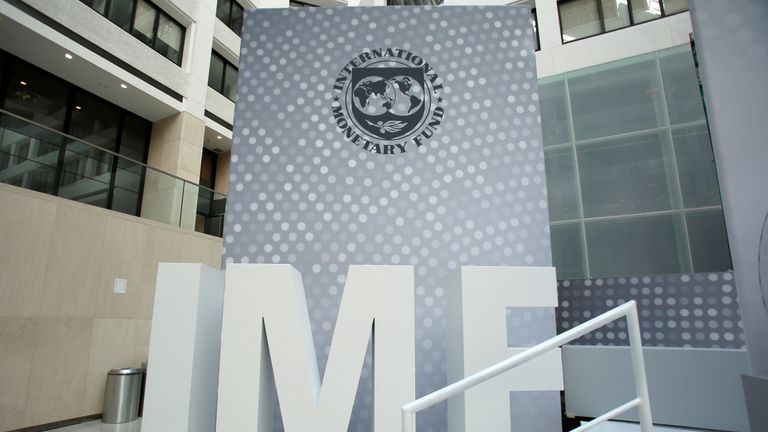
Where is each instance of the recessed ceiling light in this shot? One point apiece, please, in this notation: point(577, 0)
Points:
point(123, 85)
point(68, 56)
point(23, 82)
point(218, 136)
point(78, 107)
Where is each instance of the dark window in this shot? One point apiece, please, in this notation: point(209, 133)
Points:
point(36, 95)
point(535, 25)
point(208, 169)
point(146, 22)
point(230, 13)
point(222, 77)
point(583, 18)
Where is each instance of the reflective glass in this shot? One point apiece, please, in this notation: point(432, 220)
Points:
point(94, 121)
point(86, 174)
point(135, 136)
point(675, 6)
point(625, 175)
point(27, 159)
point(636, 246)
point(230, 83)
point(97, 5)
point(120, 12)
point(125, 195)
point(561, 184)
point(567, 253)
point(696, 167)
point(223, 8)
point(579, 19)
point(615, 14)
point(556, 127)
point(36, 95)
point(709, 242)
point(216, 73)
point(681, 85)
point(645, 10)
point(144, 22)
point(616, 98)
point(169, 36)
point(236, 21)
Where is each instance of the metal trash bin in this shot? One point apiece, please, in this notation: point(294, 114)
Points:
point(121, 398)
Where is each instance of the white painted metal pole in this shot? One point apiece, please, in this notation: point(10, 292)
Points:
point(638, 368)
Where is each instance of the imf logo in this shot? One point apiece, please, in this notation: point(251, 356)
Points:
point(388, 101)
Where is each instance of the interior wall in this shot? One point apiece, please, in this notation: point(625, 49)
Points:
point(61, 326)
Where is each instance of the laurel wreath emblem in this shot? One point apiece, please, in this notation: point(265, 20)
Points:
point(390, 126)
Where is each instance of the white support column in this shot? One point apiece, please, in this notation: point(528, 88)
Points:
point(549, 24)
point(183, 366)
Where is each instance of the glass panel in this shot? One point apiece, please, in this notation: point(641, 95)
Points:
point(120, 12)
point(567, 253)
point(207, 169)
point(625, 175)
point(616, 98)
point(144, 22)
point(230, 83)
point(236, 23)
point(125, 196)
point(636, 246)
point(86, 174)
point(97, 5)
point(168, 42)
point(681, 85)
point(709, 242)
point(27, 157)
point(675, 6)
point(135, 138)
point(561, 184)
point(36, 95)
point(645, 10)
point(535, 26)
point(94, 121)
point(696, 167)
point(615, 14)
point(162, 197)
point(222, 10)
point(555, 124)
point(579, 18)
point(216, 73)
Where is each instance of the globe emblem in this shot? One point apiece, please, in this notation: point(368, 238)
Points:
point(400, 95)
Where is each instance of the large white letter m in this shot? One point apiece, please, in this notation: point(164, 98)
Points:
point(266, 333)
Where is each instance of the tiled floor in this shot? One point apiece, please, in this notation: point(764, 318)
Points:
point(98, 426)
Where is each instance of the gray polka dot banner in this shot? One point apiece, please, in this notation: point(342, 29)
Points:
point(691, 310)
point(397, 135)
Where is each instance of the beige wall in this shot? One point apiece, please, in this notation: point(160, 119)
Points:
point(61, 326)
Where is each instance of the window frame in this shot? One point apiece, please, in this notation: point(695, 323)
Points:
point(228, 22)
point(152, 44)
point(220, 88)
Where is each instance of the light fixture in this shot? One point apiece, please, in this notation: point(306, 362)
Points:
point(68, 56)
point(23, 82)
point(123, 85)
point(218, 136)
point(78, 107)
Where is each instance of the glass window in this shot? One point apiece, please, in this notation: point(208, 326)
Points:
point(169, 37)
point(561, 184)
point(216, 73)
point(696, 167)
point(134, 138)
point(645, 10)
point(208, 169)
point(579, 19)
point(223, 8)
point(125, 195)
point(554, 112)
point(97, 5)
point(681, 85)
point(615, 14)
point(616, 98)
point(236, 20)
point(567, 253)
point(636, 246)
point(709, 242)
point(625, 175)
point(36, 95)
point(230, 83)
point(144, 22)
point(120, 12)
point(675, 6)
point(94, 121)
point(535, 26)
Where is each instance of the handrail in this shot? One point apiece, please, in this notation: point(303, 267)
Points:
point(101, 149)
point(642, 401)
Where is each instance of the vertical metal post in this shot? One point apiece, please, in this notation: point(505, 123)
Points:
point(638, 368)
point(409, 421)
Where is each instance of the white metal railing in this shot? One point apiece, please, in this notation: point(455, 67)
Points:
point(642, 402)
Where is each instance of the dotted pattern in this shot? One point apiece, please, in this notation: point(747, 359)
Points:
point(692, 310)
point(473, 195)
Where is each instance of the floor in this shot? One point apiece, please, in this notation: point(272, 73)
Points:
point(98, 426)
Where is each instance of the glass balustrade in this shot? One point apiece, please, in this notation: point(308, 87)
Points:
point(35, 157)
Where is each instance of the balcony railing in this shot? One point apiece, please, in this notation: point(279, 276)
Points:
point(39, 158)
